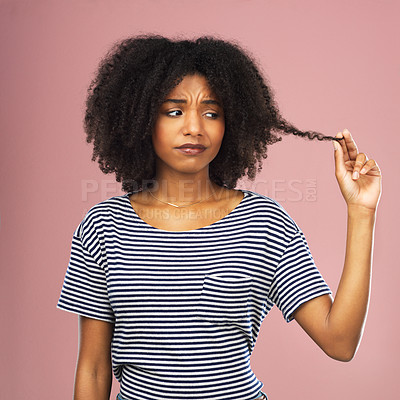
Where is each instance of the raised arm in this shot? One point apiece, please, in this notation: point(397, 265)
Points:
point(93, 376)
point(336, 325)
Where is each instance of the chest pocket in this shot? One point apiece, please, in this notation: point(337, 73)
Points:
point(225, 298)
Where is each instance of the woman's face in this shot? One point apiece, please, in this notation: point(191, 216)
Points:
point(191, 113)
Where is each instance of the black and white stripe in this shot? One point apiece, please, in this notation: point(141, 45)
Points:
point(188, 306)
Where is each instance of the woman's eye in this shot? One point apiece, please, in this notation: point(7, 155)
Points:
point(212, 115)
point(171, 113)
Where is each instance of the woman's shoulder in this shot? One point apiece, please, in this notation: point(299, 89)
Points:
point(100, 212)
point(264, 205)
point(259, 199)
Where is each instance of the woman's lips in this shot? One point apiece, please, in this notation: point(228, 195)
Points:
point(190, 150)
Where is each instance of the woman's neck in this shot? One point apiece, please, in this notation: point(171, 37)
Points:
point(185, 190)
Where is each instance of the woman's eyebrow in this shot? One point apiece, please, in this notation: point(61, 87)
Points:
point(179, 101)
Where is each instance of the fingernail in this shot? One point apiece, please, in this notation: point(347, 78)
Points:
point(355, 175)
point(335, 145)
point(363, 171)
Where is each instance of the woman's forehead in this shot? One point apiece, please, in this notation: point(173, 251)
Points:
point(193, 84)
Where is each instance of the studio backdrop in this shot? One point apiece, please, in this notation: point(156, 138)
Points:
point(332, 65)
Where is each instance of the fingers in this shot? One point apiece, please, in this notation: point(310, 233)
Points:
point(347, 154)
point(370, 168)
point(343, 146)
point(351, 146)
point(361, 159)
point(340, 168)
point(348, 145)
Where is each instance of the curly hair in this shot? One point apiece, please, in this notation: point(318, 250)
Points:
point(138, 72)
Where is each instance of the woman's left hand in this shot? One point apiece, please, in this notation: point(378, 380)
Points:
point(359, 179)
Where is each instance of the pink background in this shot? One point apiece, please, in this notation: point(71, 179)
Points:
point(332, 65)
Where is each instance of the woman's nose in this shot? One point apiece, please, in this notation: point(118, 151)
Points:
point(193, 123)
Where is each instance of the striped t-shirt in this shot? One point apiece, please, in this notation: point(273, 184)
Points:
point(188, 305)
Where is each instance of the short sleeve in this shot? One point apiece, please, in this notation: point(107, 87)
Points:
point(296, 279)
point(84, 290)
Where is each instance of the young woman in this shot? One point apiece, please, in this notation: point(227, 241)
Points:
point(173, 279)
